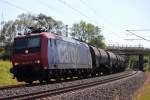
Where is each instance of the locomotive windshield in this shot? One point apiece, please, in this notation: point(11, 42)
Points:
point(32, 43)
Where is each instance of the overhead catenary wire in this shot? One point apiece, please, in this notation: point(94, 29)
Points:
point(102, 17)
point(48, 6)
point(132, 39)
point(141, 30)
point(91, 9)
point(65, 3)
point(21, 8)
point(141, 38)
point(76, 10)
point(138, 35)
point(13, 5)
point(85, 4)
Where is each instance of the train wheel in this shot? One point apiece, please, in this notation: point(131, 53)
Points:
point(80, 76)
point(29, 82)
point(41, 81)
point(48, 81)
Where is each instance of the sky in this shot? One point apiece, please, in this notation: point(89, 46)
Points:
point(114, 17)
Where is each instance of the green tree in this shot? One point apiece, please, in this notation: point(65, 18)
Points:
point(7, 32)
point(98, 41)
point(78, 31)
point(89, 33)
point(12, 28)
point(48, 22)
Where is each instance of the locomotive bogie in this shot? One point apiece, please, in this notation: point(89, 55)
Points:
point(28, 73)
point(64, 73)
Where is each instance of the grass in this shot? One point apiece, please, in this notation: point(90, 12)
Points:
point(144, 92)
point(5, 75)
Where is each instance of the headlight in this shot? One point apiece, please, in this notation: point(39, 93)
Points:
point(37, 61)
point(16, 63)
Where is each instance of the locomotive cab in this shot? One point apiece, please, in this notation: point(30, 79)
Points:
point(26, 44)
point(26, 58)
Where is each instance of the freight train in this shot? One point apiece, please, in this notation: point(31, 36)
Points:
point(42, 56)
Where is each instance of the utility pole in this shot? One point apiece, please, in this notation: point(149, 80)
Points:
point(2, 21)
point(66, 30)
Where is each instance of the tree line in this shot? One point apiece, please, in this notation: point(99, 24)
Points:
point(82, 31)
point(85, 32)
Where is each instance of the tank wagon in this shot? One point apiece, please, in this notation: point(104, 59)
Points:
point(43, 56)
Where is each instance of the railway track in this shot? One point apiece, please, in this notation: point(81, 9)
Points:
point(33, 84)
point(62, 87)
point(17, 86)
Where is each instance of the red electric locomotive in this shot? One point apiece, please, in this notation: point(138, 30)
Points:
point(44, 55)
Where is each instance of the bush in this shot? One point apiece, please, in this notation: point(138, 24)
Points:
point(1, 50)
point(5, 55)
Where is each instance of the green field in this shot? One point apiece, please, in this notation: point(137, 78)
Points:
point(5, 75)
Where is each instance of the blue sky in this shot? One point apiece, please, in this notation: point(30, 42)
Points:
point(112, 16)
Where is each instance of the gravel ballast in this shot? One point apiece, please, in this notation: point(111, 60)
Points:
point(39, 88)
point(123, 89)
